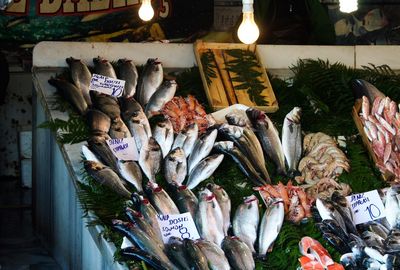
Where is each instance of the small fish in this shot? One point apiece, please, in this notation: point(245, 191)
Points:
point(196, 258)
point(131, 172)
point(164, 93)
point(224, 202)
point(291, 138)
point(214, 254)
point(175, 166)
point(187, 138)
point(150, 158)
point(106, 176)
point(150, 79)
point(160, 199)
point(203, 170)
point(98, 122)
point(118, 129)
point(184, 198)
point(177, 252)
point(201, 149)
point(98, 145)
point(103, 67)
point(139, 254)
point(127, 71)
point(81, 76)
point(238, 253)
point(163, 133)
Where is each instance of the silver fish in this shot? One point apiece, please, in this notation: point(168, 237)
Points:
point(106, 103)
point(215, 255)
point(392, 207)
point(81, 76)
point(175, 166)
point(270, 226)
point(201, 149)
point(327, 211)
point(177, 252)
point(150, 79)
point(103, 67)
point(186, 139)
point(184, 199)
point(150, 158)
point(268, 135)
point(89, 155)
point(163, 133)
point(237, 119)
point(98, 122)
point(165, 92)
point(245, 221)
point(118, 129)
point(196, 258)
point(160, 199)
point(291, 138)
point(209, 219)
point(238, 253)
point(127, 71)
point(98, 145)
point(106, 176)
point(130, 171)
point(203, 170)
point(224, 202)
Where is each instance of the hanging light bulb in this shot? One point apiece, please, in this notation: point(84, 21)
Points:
point(146, 11)
point(348, 6)
point(248, 31)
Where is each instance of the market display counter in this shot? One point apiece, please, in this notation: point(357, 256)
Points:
point(59, 218)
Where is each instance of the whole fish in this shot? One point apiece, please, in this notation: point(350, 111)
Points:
point(327, 211)
point(203, 170)
point(228, 147)
point(98, 145)
point(184, 199)
point(175, 166)
point(143, 255)
point(163, 132)
point(269, 137)
point(363, 88)
point(106, 103)
point(106, 176)
point(392, 207)
point(103, 67)
point(130, 171)
point(187, 138)
point(224, 202)
point(341, 204)
point(209, 219)
point(215, 255)
point(71, 93)
point(177, 252)
point(238, 253)
point(245, 221)
point(98, 122)
point(202, 147)
point(127, 71)
point(150, 158)
point(164, 93)
point(89, 155)
point(270, 226)
point(150, 79)
point(81, 76)
point(291, 138)
point(160, 199)
point(118, 129)
point(196, 258)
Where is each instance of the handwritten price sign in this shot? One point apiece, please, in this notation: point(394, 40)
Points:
point(366, 206)
point(124, 149)
point(107, 85)
point(181, 226)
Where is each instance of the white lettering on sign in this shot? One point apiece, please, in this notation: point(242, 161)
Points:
point(366, 206)
point(181, 225)
point(124, 149)
point(107, 85)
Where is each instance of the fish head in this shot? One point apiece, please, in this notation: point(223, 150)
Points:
point(71, 60)
point(130, 212)
point(295, 115)
point(206, 195)
point(177, 154)
point(153, 145)
point(93, 165)
point(237, 119)
point(231, 130)
point(255, 114)
point(252, 199)
point(224, 145)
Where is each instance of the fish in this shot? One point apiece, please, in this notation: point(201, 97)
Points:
point(103, 67)
point(71, 93)
point(160, 199)
point(89, 155)
point(362, 88)
point(341, 204)
point(177, 252)
point(291, 138)
point(106, 103)
point(98, 122)
point(175, 166)
point(268, 136)
point(81, 76)
point(130, 171)
point(186, 139)
point(215, 255)
point(392, 207)
point(327, 211)
point(127, 71)
point(150, 158)
point(118, 129)
point(184, 199)
point(164, 93)
point(228, 148)
point(196, 258)
point(246, 220)
point(237, 119)
point(163, 133)
point(224, 202)
point(202, 147)
point(142, 255)
point(271, 224)
point(209, 219)
point(106, 176)
point(238, 253)
point(98, 145)
point(149, 80)
point(203, 170)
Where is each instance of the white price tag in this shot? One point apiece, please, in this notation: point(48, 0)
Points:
point(124, 149)
point(107, 85)
point(181, 226)
point(366, 206)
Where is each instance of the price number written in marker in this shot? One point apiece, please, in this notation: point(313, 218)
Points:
point(366, 206)
point(181, 225)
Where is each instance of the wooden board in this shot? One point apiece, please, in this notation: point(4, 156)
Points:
point(220, 90)
point(386, 176)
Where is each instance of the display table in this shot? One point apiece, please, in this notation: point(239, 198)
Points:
point(59, 219)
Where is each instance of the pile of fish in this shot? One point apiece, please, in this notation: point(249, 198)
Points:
point(372, 245)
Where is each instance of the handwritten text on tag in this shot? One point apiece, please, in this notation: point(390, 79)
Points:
point(366, 206)
point(124, 149)
point(107, 85)
point(181, 226)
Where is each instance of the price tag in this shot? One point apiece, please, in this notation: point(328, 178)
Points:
point(107, 85)
point(124, 149)
point(181, 226)
point(366, 206)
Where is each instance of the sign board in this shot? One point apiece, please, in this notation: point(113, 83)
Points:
point(181, 225)
point(107, 85)
point(366, 206)
point(124, 149)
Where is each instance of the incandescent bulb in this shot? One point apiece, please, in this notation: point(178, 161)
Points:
point(348, 6)
point(248, 31)
point(146, 11)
